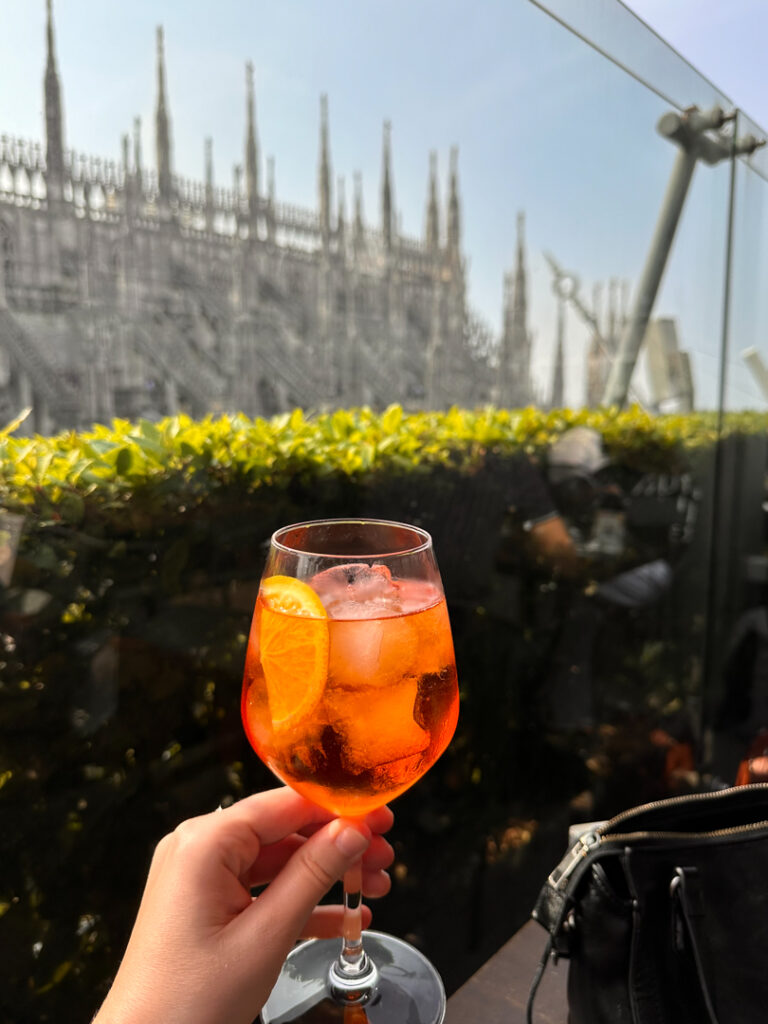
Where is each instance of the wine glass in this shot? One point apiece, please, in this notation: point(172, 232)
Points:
point(350, 696)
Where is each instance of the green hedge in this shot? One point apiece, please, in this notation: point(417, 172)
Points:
point(123, 635)
point(180, 456)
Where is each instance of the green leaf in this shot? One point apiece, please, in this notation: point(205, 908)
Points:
point(102, 447)
point(391, 419)
point(150, 432)
point(9, 428)
point(78, 469)
point(44, 557)
point(124, 460)
point(72, 508)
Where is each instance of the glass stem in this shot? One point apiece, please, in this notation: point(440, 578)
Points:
point(353, 976)
point(352, 957)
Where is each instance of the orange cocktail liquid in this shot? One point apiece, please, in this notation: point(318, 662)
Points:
point(386, 712)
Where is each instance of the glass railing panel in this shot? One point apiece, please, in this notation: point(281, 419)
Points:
point(577, 565)
point(739, 584)
point(617, 32)
point(749, 130)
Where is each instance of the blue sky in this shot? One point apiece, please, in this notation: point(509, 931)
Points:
point(544, 124)
point(724, 39)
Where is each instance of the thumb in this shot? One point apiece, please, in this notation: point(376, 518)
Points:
point(283, 908)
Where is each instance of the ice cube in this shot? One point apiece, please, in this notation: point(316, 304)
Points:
point(376, 726)
point(436, 699)
point(303, 761)
point(357, 591)
point(371, 652)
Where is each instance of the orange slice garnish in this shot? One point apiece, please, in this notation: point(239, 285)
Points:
point(293, 642)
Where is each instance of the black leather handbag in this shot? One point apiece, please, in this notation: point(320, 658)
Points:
point(662, 913)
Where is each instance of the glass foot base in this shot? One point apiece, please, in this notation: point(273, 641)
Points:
point(408, 988)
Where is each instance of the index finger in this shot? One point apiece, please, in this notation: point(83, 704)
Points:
point(277, 813)
point(378, 821)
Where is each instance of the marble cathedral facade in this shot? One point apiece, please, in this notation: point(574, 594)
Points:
point(132, 292)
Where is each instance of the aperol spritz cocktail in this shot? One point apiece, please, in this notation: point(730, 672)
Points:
point(350, 696)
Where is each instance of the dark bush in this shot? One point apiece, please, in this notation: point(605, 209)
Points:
point(122, 632)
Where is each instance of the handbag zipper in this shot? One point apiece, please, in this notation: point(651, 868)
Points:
point(585, 843)
point(588, 841)
point(719, 833)
point(674, 800)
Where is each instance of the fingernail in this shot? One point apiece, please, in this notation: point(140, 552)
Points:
point(351, 841)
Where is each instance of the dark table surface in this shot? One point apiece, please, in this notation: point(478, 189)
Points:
point(498, 992)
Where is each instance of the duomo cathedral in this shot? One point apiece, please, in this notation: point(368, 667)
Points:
point(128, 291)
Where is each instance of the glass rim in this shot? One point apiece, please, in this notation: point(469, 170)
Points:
point(424, 545)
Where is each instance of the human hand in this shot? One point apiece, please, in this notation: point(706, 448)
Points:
point(202, 949)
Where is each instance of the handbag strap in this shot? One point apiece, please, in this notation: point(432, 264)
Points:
point(688, 910)
point(554, 903)
point(688, 904)
point(545, 958)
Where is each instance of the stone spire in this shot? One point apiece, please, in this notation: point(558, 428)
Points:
point(209, 184)
point(271, 198)
point(271, 179)
point(324, 173)
point(54, 122)
point(125, 141)
point(341, 216)
point(208, 158)
point(515, 368)
point(386, 186)
point(162, 125)
point(433, 216)
point(454, 216)
point(557, 400)
point(251, 146)
point(520, 292)
point(137, 153)
point(358, 230)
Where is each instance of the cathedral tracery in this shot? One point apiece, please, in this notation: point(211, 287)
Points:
point(228, 299)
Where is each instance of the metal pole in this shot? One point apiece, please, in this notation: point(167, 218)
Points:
point(623, 365)
point(695, 132)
